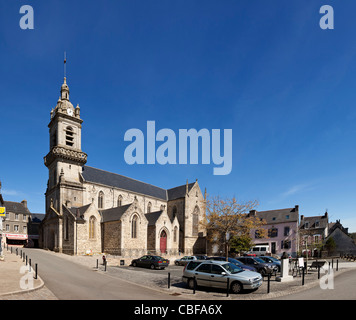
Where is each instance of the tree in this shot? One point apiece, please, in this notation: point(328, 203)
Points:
point(227, 219)
point(330, 244)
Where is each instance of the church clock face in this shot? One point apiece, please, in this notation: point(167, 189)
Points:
point(70, 111)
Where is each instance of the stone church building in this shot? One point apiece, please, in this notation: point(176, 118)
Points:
point(92, 210)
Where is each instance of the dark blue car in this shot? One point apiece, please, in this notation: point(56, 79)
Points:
point(235, 262)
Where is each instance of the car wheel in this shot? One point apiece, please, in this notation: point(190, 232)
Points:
point(134, 264)
point(191, 283)
point(236, 287)
point(153, 266)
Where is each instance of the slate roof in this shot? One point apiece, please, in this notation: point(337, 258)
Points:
point(279, 215)
point(37, 217)
point(179, 192)
point(103, 177)
point(81, 210)
point(152, 217)
point(323, 222)
point(114, 214)
point(16, 207)
point(91, 174)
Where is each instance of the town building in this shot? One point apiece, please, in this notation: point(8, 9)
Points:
point(313, 232)
point(282, 230)
point(91, 210)
point(15, 226)
point(344, 244)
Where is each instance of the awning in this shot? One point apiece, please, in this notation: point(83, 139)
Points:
point(13, 236)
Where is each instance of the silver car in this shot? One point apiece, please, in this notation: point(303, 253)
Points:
point(216, 274)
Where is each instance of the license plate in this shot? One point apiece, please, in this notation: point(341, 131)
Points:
point(164, 261)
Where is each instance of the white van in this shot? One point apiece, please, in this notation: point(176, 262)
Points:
point(260, 250)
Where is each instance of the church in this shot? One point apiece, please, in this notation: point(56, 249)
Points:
point(96, 211)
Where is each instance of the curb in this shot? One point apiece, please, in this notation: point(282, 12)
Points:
point(41, 285)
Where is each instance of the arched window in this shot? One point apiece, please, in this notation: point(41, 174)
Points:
point(101, 200)
point(149, 207)
point(66, 227)
point(134, 227)
point(69, 136)
point(119, 201)
point(175, 232)
point(195, 221)
point(174, 211)
point(92, 227)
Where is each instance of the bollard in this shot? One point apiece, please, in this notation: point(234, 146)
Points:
point(268, 283)
point(105, 265)
point(303, 277)
point(227, 286)
point(337, 265)
point(195, 285)
point(97, 263)
point(16, 251)
point(29, 263)
point(332, 263)
point(169, 280)
point(35, 271)
point(318, 272)
point(26, 260)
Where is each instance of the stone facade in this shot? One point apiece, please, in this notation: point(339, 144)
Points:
point(89, 210)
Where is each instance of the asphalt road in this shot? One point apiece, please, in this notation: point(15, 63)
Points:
point(343, 289)
point(71, 281)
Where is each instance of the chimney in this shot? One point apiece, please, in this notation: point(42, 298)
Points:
point(24, 203)
point(252, 212)
point(326, 214)
point(296, 208)
point(302, 217)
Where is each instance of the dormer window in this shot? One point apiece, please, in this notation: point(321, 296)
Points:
point(69, 136)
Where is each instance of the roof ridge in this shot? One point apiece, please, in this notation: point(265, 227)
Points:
point(126, 177)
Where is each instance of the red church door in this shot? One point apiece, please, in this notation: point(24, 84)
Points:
point(163, 242)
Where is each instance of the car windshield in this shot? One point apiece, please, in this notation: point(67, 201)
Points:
point(274, 259)
point(232, 260)
point(259, 260)
point(232, 268)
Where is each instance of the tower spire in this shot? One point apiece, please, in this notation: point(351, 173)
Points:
point(65, 62)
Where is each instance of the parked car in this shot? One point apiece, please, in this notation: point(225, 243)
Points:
point(261, 266)
point(273, 261)
point(185, 260)
point(211, 273)
point(234, 261)
point(201, 257)
point(260, 250)
point(149, 261)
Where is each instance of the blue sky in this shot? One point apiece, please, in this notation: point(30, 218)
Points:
point(264, 69)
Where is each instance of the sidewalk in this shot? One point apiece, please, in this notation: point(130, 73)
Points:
point(17, 283)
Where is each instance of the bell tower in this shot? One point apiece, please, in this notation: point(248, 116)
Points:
point(65, 158)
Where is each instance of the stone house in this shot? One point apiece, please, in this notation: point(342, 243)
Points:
point(313, 231)
point(93, 210)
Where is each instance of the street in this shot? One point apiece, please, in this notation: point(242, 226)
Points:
point(70, 281)
point(344, 289)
